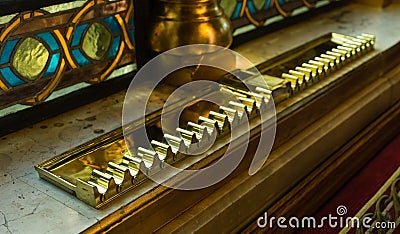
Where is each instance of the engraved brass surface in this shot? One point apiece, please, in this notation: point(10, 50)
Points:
point(102, 169)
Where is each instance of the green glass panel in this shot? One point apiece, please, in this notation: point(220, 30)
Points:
point(30, 58)
point(96, 41)
point(229, 6)
point(259, 4)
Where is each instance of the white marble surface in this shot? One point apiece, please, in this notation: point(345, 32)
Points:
point(31, 205)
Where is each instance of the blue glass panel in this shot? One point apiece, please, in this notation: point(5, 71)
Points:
point(236, 13)
point(52, 68)
point(267, 4)
point(49, 39)
point(82, 61)
point(112, 24)
point(132, 35)
point(114, 47)
point(10, 77)
point(251, 7)
point(132, 21)
point(7, 51)
point(76, 39)
point(281, 2)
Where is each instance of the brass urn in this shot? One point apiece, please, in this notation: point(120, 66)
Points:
point(183, 22)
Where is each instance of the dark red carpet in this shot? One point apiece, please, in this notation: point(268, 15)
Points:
point(362, 187)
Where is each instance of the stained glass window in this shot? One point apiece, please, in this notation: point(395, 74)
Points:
point(62, 45)
point(257, 13)
point(65, 44)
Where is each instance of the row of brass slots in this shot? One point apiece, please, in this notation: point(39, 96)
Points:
point(119, 177)
point(348, 48)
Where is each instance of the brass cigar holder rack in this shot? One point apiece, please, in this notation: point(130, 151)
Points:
point(102, 169)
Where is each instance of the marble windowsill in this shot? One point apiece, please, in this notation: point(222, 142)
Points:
point(29, 204)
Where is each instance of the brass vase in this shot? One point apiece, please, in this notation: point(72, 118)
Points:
point(183, 22)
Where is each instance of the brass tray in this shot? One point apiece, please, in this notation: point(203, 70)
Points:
point(103, 169)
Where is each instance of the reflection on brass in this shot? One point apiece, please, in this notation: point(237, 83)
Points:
point(281, 88)
point(103, 169)
point(294, 81)
point(181, 22)
point(98, 160)
point(96, 41)
point(30, 58)
point(302, 77)
point(322, 66)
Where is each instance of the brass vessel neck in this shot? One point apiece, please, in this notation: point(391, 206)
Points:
point(183, 22)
